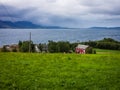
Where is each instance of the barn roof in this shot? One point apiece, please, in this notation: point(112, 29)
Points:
point(82, 46)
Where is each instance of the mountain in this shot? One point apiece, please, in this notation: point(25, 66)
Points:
point(25, 24)
point(104, 28)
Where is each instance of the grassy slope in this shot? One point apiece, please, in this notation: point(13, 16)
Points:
point(59, 71)
point(103, 51)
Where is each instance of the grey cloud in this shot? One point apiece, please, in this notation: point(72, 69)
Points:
point(7, 11)
point(63, 12)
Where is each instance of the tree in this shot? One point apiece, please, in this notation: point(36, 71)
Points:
point(89, 50)
point(60, 46)
point(63, 46)
point(20, 43)
point(40, 46)
point(24, 46)
point(52, 46)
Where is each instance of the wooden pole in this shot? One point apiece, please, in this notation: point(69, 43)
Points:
point(30, 43)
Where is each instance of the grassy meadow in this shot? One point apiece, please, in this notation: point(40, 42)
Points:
point(105, 51)
point(34, 71)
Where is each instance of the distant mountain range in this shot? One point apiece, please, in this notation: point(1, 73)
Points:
point(30, 25)
point(25, 25)
point(104, 28)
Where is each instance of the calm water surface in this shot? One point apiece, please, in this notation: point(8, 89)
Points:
point(11, 36)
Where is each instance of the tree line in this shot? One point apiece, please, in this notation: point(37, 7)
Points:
point(106, 43)
point(64, 46)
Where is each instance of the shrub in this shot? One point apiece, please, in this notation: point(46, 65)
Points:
point(89, 50)
point(14, 50)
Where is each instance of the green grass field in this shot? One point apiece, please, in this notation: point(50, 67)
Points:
point(103, 51)
point(32, 71)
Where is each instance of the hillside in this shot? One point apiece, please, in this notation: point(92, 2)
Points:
point(100, 28)
point(106, 43)
point(34, 71)
point(24, 24)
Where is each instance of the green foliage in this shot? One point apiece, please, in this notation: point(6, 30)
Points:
point(109, 40)
point(40, 46)
point(43, 47)
point(106, 43)
point(20, 44)
point(30, 71)
point(94, 51)
point(52, 46)
point(63, 46)
point(24, 46)
point(89, 50)
point(60, 46)
point(73, 46)
point(14, 50)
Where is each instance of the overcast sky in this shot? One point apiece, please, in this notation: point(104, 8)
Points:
point(69, 13)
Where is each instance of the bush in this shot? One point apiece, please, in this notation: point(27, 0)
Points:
point(24, 46)
point(94, 51)
point(60, 46)
point(14, 50)
point(106, 43)
point(89, 50)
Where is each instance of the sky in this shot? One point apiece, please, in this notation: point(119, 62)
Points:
point(67, 13)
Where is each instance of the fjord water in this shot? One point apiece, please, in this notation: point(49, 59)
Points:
point(11, 36)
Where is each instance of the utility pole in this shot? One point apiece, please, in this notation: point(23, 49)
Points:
point(30, 43)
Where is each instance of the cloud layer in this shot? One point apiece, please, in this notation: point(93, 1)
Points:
point(71, 13)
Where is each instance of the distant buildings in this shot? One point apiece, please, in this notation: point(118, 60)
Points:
point(16, 48)
point(80, 49)
point(37, 49)
point(11, 48)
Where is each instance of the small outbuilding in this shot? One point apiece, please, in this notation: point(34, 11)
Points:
point(81, 49)
point(37, 49)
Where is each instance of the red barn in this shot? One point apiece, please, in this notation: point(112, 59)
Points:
point(81, 49)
